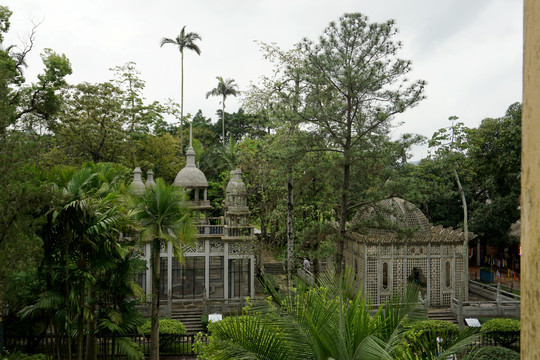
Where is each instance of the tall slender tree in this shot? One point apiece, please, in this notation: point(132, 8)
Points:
point(183, 41)
point(354, 85)
point(165, 221)
point(224, 88)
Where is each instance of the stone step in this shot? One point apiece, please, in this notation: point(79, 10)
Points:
point(274, 268)
point(190, 319)
point(442, 314)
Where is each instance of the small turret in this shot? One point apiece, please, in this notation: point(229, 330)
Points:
point(137, 186)
point(150, 178)
point(236, 194)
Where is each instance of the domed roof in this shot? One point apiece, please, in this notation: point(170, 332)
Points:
point(236, 186)
point(190, 176)
point(390, 215)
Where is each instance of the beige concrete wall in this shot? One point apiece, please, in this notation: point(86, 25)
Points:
point(530, 184)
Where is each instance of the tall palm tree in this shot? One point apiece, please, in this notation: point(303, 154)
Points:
point(223, 89)
point(164, 220)
point(183, 41)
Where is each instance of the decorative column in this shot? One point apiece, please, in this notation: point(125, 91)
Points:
point(226, 270)
point(207, 269)
point(169, 278)
point(530, 182)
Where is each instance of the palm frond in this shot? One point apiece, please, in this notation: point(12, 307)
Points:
point(128, 347)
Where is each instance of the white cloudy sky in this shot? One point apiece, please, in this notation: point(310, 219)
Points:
point(469, 51)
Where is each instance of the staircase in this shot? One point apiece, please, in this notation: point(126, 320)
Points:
point(191, 320)
point(274, 268)
point(442, 314)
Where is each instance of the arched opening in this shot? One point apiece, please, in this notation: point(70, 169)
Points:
point(448, 274)
point(385, 275)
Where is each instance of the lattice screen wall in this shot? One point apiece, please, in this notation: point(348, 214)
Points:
point(397, 276)
point(435, 282)
point(401, 261)
point(372, 281)
point(459, 272)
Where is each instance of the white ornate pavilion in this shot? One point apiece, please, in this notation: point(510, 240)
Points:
point(218, 271)
point(392, 243)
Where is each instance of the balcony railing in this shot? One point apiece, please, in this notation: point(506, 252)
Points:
point(210, 230)
point(238, 231)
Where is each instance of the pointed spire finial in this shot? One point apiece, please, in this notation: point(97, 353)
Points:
point(191, 134)
point(190, 154)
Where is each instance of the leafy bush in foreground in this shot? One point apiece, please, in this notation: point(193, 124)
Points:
point(493, 352)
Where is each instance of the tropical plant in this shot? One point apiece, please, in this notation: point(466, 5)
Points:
point(165, 221)
point(224, 88)
point(327, 321)
point(183, 41)
point(87, 271)
point(434, 339)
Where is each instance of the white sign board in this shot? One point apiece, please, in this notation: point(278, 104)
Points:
point(214, 317)
point(472, 322)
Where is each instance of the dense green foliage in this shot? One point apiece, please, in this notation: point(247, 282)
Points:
point(487, 160)
point(429, 338)
point(330, 320)
point(418, 329)
point(22, 356)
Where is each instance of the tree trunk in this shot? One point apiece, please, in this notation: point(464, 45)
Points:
point(154, 334)
point(343, 216)
point(182, 103)
point(80, 324)
point(1, 324)
point(465, 275)
point(223, 120)
point(345, 188)
point(290, 228)
point(91, 343)
point(67, 290)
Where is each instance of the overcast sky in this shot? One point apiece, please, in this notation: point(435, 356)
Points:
point(468, 51)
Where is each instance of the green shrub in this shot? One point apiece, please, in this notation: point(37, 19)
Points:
point(205, 322)
point(168, 328)
point(493, 352)
point(503, 331)
point(417, 329)
point(428, 337)
point(501, 325)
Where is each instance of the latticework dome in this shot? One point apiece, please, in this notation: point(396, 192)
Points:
point(390, 215)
